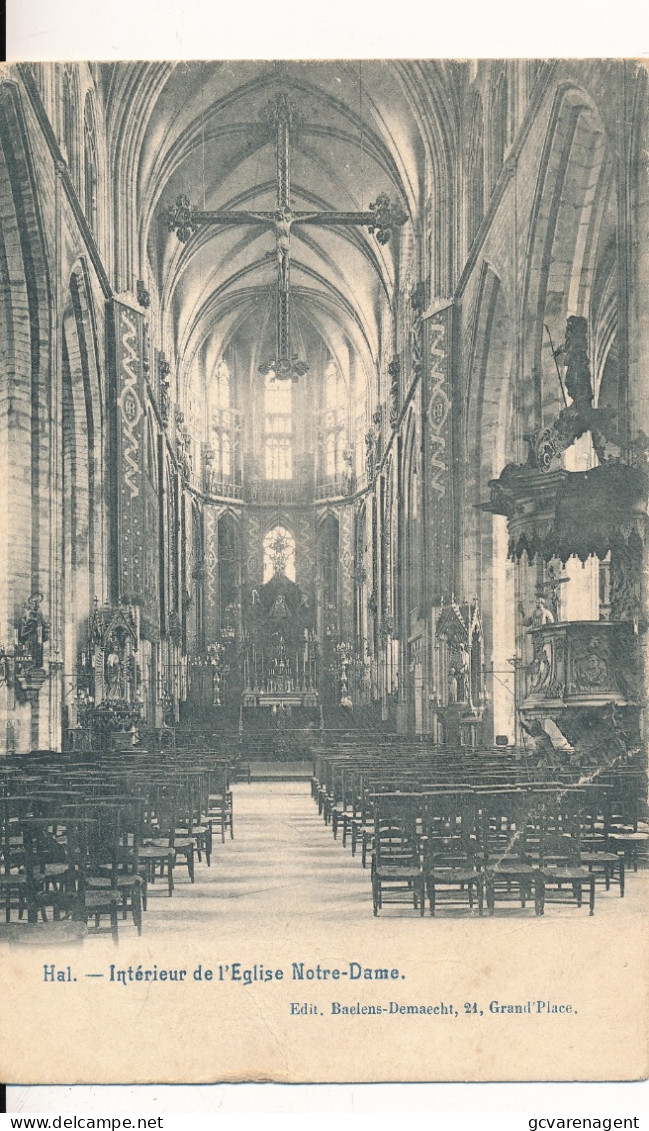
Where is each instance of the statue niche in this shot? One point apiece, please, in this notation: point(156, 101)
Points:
point(278, 608)
point(459, 648)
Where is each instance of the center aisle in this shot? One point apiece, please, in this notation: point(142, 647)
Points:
point(283, 864)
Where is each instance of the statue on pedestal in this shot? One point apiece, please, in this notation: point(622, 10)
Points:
point(34, 630)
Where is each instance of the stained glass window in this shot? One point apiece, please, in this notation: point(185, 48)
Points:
point(278, 429)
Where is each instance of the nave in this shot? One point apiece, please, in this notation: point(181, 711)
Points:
point(284, 868)
point(185, 844)
point(327, 385)
point(281, 869)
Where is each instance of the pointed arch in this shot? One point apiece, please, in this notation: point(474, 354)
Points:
point(82, 518)
point(489, 444)
point(26, 395)
point(570, 224)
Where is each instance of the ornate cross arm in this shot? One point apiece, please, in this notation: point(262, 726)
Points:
point(382, 218)
point(184, 218)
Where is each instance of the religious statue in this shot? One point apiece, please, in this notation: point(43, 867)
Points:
point(578, 379)
point(418, 305)
point(543, 750)
point(462, 667)
point(541, 615)
point(113, 670)
point(370, 444)
point(459, 677)
point(541, 667)
point(280, 608)
point(552, 587)
point(34, 629)
point(394, 373)
point(283, 221)
point(452, 686)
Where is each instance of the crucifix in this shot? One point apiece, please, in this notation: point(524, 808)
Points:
point(549, 589)
point(184, 219)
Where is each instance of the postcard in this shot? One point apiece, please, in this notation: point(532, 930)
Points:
point(323, 603)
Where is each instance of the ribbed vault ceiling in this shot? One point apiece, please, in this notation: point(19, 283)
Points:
point(367, 128)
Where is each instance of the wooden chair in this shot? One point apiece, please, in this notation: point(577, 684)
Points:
point(629, 844)
point(509, 871)
point(563, 872)
point(193, 805)
point(169, 844)
point(596, 848)
point(453, 874)
point(78, 838)
point(116, 861)
point(220, 808)
point(397, 871)
point(13, 876)
point(157, 855)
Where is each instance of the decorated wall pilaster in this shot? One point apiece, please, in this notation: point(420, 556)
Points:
point(128, 438)
point(212, 604)
point(346, 548)
point(437, 398)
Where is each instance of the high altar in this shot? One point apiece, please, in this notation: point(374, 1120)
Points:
point(280, 663)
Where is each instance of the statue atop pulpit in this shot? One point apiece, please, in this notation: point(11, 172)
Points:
point(540, 616)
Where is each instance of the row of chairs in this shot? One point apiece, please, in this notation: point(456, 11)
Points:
point(81, 840)
point(364, 792)
point(468, 849)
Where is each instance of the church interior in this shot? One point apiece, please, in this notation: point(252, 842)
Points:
point(324, 437)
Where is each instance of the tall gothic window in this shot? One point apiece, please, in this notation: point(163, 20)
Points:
point(90, 164)
point(334, 421)
point(221, 421)
point(278, 429)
